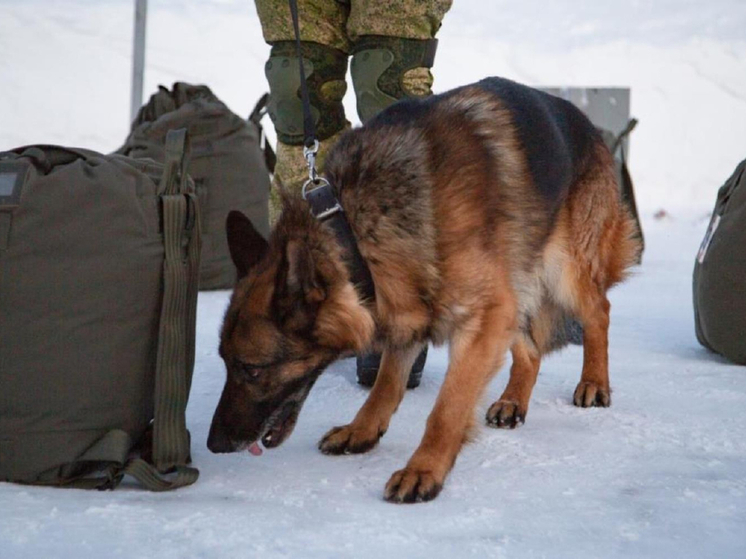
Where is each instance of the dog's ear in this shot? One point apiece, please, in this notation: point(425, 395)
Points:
point(302, 278)
point(246, 245)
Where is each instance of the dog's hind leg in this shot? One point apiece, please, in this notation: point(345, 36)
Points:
point(372, 421)
point(511, 408)
point(477, 351)
point(594, 389)
point(599, 251)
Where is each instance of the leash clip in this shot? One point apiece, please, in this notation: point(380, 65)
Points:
point(310, 154)
point(313, 176)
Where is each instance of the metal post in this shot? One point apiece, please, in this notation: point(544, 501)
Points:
point(138, 57)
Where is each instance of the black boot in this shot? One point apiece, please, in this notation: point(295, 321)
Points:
point(367, 369)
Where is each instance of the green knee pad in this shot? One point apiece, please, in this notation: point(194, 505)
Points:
point(378, 66)
point(325, 70)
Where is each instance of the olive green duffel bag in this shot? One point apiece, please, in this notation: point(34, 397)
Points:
point(228, 166)
point(720, 274)
point(99, 262)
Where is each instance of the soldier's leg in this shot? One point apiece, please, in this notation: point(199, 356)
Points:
point(324, 48)
point(393, 50)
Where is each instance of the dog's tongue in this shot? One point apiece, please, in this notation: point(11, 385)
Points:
point(255, 449)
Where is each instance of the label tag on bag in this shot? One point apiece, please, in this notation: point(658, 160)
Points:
point(12, 177)
point(708, 238)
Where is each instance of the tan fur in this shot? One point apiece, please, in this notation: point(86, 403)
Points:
point(464, 250)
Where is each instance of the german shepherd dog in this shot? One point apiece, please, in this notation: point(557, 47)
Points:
point(489, 217)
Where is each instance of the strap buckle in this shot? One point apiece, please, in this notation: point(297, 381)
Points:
point(324, 203)
point(317, 182)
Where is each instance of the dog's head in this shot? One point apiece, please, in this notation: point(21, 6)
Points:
point(292, 313)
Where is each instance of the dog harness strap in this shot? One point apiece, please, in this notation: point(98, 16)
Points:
point(326, 208)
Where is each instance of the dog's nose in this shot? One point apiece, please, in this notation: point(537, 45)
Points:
point(217, 441)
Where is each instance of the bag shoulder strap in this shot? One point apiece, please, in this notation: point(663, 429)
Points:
point(255, 118)
point(176, 340)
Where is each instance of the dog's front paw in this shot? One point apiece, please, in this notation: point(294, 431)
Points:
point(506, 414)
point(349, 440)
point(412, 486)
point(590, 394)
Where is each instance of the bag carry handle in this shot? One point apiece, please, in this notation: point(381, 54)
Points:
point(47, 156)
point(631, 124)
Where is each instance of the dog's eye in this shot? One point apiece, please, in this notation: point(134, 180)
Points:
point(248, 371)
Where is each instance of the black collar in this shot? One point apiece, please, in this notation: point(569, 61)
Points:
point(326, 208)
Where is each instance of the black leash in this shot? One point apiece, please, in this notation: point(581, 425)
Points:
point(319, 193)
point(309, 128)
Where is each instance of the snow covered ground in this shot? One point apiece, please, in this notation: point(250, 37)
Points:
point(662, 473)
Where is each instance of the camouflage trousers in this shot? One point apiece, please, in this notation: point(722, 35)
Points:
point(340, 23)
point(342, 27)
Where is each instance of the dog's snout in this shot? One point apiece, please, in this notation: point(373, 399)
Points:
point(218, 441)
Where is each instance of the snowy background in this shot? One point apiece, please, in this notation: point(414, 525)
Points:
point(662, 473)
